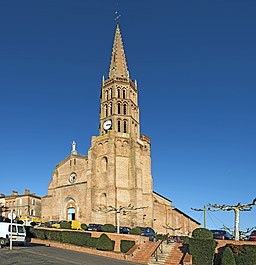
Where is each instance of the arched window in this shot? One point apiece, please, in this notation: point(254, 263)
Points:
point(135, 113)
point(119, 126)
point(71, 213)
point(125, 126)
point(106, 95)
point(118, 108)
point(125, 109)
point(110, 93)
point(124, 93)
point(104, 164)
point(106, 110)
point(118, 93)
point(110, 109)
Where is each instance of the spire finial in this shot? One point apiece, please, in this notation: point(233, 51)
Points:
point(117, 14)
point(74, 152)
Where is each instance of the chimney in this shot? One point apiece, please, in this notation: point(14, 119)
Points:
point(26, 192)
point(14, 193)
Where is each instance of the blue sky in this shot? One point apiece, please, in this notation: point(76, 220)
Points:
point(195, 64)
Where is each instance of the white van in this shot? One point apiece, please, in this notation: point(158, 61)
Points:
point(18, 233)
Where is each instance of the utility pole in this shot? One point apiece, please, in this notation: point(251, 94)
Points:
point(236, 208)
point(205, 209)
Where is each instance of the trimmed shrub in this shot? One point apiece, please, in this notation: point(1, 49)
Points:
point(47, 224)
point(54, 235)
point(39, 233)
point(109, 228)
point(75, 238)
point(105, 243)
point(83, 226)
point(245, 254)
point(65, 225)
point(202, 233)
point(126, 245)
point(135, 231)
point(202, 251)
point(92, 242)
point(227, 257)
point(185, 240)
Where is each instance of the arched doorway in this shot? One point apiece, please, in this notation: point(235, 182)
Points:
point(70, 209)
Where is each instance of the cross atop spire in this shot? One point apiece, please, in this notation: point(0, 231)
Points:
point(118, 65)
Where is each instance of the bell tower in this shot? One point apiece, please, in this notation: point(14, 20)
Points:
point(119, 111)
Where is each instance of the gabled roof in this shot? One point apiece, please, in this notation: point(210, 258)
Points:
point(164, 198)
point(69, 157)
point(174, 208)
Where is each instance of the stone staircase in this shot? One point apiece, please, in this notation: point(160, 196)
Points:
point(143, 255)
point(166, 249)
point(175, 255)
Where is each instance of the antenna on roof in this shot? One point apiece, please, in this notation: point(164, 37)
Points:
point(117, 15)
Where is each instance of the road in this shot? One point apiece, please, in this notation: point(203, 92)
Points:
point(41, 255)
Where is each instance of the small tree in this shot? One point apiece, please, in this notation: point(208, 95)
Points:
point(83, 226)
point(109, 228)
point(65, 225)
point(237, 209)
point(135, 231)
point(47, 224)
point(228, 257)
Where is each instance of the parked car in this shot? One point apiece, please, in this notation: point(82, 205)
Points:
point(252, 236)
point(94, 227)
point(149, 232)
point(221, 235)
point(124, 230)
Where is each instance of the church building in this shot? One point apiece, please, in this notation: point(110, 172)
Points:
point(113, 183)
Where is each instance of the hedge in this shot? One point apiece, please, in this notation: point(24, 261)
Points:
point(65, 225)
point(202, 251)
point(83, 226)
point(75, 238)
point(105, 243)
point(202, 233)
point(126, 245)
point(71, 237)
point(135, 231)
point(244, 254)
point(92, 242)
point(108, 228)
point(228, 257)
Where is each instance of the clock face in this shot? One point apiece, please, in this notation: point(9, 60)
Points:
point(72, 178)
point(107, 125)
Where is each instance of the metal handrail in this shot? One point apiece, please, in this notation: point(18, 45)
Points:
point(160, 247)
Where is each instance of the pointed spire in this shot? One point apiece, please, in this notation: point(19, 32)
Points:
point(118, 66)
